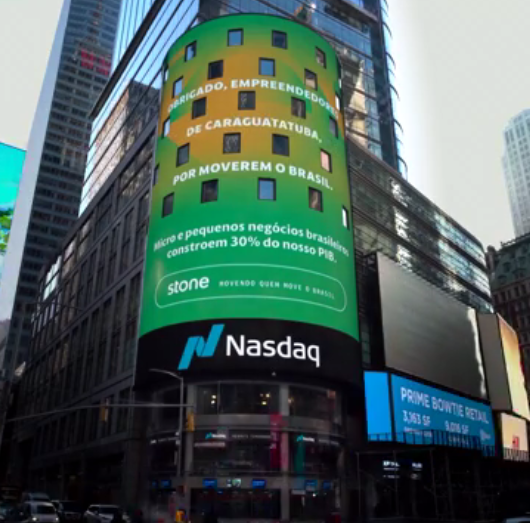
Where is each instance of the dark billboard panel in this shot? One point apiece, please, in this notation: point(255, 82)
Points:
point(250, 211)
point(421, 414)
point(427, 333)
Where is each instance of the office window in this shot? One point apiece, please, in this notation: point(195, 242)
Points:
point(298, 107)
point(215, 70)
point(232, 143)
point(311, 79)
point(345, 218)
point(198, 108)
point(155, 174)
point(325, 160)
point(183, 154)
point(191, 51)
point(165, 128)
point(235, 37)
point(333, 127)
point(321, 57)
point(315, 199)
point(167, 205)
point(246, 100)
point(266, 189)
point(280, 144)
point(177, 86)
point(266, 67)
point(279, 39)
point(209, 192)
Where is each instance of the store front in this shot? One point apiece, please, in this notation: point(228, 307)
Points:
point(258, 451)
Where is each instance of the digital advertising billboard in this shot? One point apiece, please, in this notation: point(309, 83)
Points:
point(427, 333)
point(514, 369)
point(250, 260)
point(504, 366)
point(514, 437)
point(11, 163)
point(411, 412)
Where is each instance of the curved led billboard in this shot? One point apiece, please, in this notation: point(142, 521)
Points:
point(250, 246)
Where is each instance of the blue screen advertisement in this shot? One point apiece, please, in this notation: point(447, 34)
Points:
point(424, 414)
point(420, 409)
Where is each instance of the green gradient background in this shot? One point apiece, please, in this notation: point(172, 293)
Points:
point(237, 200)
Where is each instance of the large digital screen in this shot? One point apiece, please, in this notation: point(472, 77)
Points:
point(502, 355)
point(514, 438)
point(423, 414)
point(427, 333)
point(250, 213)
point(11, 163)
point(514, 369)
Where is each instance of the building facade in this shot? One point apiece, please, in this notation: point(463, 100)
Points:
point(52, 179)
point(84, 349)
point(516, 166)
point(509, 270)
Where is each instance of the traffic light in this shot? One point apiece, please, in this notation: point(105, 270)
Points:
point(104, 411)
point(190, 422)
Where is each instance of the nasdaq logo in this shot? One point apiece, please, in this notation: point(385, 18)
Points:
point(241, 346)
point(197, 346)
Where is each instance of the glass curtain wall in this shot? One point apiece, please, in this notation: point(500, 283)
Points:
point(352, 29)
point(133, 102)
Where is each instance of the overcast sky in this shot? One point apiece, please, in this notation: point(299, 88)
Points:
point(27, 28)
point(463, 70)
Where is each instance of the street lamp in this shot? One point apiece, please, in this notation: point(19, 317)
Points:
point(181, 379)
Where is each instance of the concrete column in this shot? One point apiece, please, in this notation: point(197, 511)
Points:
point(135, 468)
point(62, 482)
point(188, 439)
point(285, 457)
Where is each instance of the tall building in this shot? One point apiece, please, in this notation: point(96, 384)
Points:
point(85, 352)
point(516, 165)
point(509, 271)
point(52, 179)
point(354, 29)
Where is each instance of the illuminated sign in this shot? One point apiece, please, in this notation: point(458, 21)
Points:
point(424, 414)
point(11, 163)
point(250, 212)
point(514, 369)
point(514, 438)
point(209, 483)
point(311, 485)
point(254, 348)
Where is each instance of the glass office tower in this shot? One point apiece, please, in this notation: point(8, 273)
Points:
point(78, 69)
point(355, 30)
